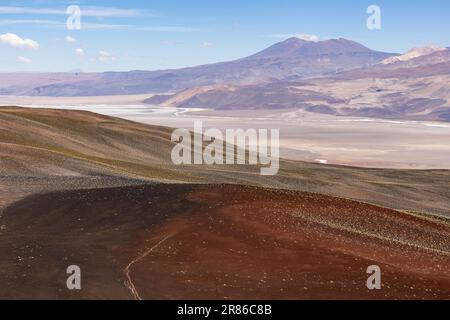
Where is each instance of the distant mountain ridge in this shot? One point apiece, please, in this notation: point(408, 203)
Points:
point(415, 87)
point(414, 53)
point(295, 47)
point(293, 59)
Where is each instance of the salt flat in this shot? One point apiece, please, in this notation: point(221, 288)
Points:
point(304, 136)
point(334, 140)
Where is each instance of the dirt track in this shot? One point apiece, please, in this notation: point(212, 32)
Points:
point(221, 241)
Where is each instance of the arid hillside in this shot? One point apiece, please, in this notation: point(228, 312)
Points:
point(43, 146)
point(101, 193)
point(366, 95)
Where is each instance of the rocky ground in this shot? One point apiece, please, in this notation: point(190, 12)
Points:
point(218, 242)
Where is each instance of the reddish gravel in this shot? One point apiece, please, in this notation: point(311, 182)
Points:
point(219, 242)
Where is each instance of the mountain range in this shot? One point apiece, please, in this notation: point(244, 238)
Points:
point(412, 86)
point(337, 77)
point(292, 59)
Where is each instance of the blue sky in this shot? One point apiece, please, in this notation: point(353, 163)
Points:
point(149, 35)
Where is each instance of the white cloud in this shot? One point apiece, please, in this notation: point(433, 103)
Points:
point(31, 22)
point(87, 11)
point(115, 12)
point(17, 42)
point(70, 39)
point(308, 37)
point(104, 56)
point(206, 44)
point(102, 26)
point(79, 52)
point(170, 42)
point(178, 29)
point(23, 59)
point(167, 29)
point(302, 36)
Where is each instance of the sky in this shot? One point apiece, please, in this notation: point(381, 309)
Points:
point(164, 34)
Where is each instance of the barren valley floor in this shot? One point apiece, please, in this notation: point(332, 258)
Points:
point(352, 141)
